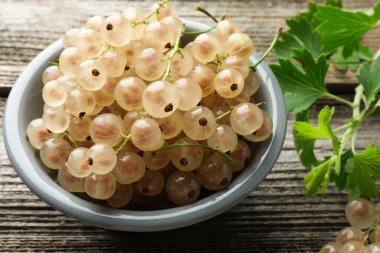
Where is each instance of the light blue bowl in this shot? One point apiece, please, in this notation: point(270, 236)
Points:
point(25, 104)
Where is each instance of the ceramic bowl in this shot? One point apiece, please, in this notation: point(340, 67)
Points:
point(25, 104)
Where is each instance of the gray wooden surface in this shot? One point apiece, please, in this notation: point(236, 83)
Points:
point(276, 217)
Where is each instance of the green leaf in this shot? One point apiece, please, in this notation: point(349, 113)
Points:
point(318, 178)
point(299, 102)
point(362, 169)
point(305, 135)
point(337, 3)
point(340, 178)
point(376, 12)
point(343, 28)
point(369, 77)
point(300, 35)
point(303, 116)
point(305, 149)
point(303, 82)
point(354, 61)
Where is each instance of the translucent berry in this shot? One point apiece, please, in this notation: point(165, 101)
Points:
point(199, 123)
point(263, 132)
point(186, 158)
point(146, 134)
point(215, 173)
point(151, 183)
point(69, 182)
point(223, 138)
point(54, 152)
point(100, 186)
point(160, 99)
point(360, 213)
point(246, 118)
point(38, 133)
point(182, 188)
point(129, 168)
point(101, 158)
point(121, 197)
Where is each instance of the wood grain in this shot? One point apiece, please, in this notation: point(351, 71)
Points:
point(27, 27)
point(276, 217)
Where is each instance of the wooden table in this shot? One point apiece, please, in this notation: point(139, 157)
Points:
point(276, 217)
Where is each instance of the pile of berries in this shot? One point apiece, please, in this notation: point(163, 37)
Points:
point(132, 115)
point(364, 234)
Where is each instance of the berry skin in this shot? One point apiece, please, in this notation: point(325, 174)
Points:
point(360, 213)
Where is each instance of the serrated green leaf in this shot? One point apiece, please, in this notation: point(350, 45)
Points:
point(300, 35)
point(305, 135)
point(303, 82)
point(307, 156)
point(318, 178)
point(342, 28)
point(362, 169)
point(369, 77)
point(354, 61)
point(340, 177)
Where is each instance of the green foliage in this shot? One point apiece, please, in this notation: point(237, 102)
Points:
point(329, 33)
point(363, 169)
point(369, 77)
point(353, 61)
point(302, 34)
point(342, 28)
point(305, 135)
point(303, 82)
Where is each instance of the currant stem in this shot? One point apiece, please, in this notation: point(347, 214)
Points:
point(143, 114)
point(107, 48)
point(260, 104)
point(72, 141)
point(175, 51)
point(208, 14)
point(342, 100)
point(220, 117)
point(377, 54)
point(344, 127)
point(202, 31)
point(127, 138)
point(54, 63)
point(176, 145)
point(198, 8)
point(160, 5)
point(355, 114)
point(274, 41)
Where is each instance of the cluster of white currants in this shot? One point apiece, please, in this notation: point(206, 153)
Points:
point(129, 113)
point(364, 234)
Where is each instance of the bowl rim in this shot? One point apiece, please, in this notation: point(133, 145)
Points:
point(126, 220)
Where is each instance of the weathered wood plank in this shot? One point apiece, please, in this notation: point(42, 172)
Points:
point(276, 217)
point(27, 28)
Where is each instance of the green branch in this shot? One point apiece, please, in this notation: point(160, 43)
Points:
point(177, 145)
point(274, 41)
point(175, 51)
point(160, 5)
point(127, 138)
point(220, 117)
point(342, 100)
